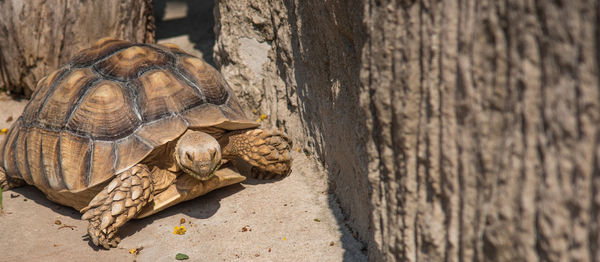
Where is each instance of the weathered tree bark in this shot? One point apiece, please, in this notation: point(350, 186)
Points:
point(469, 132)
point(485, 122)
point(38, 36)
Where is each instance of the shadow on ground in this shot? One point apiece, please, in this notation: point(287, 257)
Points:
point(203, 207)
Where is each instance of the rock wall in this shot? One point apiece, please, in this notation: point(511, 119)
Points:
point(300, 67)
point(36, 37)
point(449, 130)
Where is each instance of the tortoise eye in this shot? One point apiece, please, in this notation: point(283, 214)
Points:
point(189, 156)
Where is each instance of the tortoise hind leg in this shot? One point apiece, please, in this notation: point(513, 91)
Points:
point(7, 182)
point(117, 203)
point(267, 150)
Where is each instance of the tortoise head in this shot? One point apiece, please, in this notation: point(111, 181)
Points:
point(198, 154)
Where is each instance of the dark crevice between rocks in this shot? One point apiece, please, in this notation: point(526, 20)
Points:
point(198, 24)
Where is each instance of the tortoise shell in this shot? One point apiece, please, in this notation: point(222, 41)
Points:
point(108, 108)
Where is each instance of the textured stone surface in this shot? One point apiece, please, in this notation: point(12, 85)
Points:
point(450, 130)
point(38, 36)
point(298, 62)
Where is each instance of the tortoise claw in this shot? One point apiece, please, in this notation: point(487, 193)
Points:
point(102, 238)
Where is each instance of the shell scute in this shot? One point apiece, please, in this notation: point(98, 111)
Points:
point(128, 63)
point(101, 49)
point(56, 110)
point(206, 78)
point(30, 113)
point(130, 151)
point(74, 155)
point(162, 131)
point(103, 162)
point(33, 145)
point(163, 94)
point(21, 155)
point(50, 159)
point(105, 112)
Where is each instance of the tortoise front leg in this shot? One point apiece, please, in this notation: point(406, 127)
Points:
point(267, 150)
point(117, 203)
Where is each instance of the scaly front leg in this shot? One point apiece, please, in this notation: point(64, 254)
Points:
point(117, 203)
point(267, 150)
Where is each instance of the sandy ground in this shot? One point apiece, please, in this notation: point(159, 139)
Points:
point(293, 219)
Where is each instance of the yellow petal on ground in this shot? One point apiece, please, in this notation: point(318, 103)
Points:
point(179, 230)
point(3, 130)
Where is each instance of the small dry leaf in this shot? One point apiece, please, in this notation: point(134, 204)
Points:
point(317, 220)
point(182, 221)
point(10, 118)
point(57, 222)
point(67, 226)
point(244, 229)
point(269, 250)
point(331, 243)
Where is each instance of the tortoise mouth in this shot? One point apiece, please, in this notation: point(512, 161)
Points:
point(202, 177)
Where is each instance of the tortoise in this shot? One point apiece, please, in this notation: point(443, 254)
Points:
point(125, 130)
